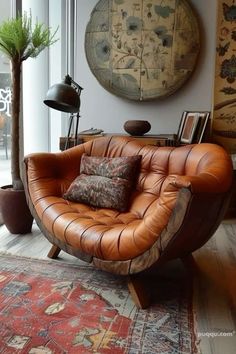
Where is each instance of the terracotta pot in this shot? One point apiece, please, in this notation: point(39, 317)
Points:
point(15, 211)
point(137, 127)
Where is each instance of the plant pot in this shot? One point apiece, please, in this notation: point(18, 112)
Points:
point(15, 211)
point(137, 127)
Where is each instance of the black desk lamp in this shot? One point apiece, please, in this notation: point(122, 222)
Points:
point(65, 97)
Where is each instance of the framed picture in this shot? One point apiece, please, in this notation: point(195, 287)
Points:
point(181, 125)
point(189, 127)
point(192, 127)
point(203, 119)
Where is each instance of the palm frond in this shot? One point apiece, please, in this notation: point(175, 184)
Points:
point(19, 40)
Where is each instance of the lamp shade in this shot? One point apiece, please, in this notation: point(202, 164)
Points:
point(63, 97)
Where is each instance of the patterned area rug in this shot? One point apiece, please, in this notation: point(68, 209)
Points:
point(52, 307)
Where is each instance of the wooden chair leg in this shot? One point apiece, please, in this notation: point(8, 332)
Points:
point(54, 252)
point(137, 292)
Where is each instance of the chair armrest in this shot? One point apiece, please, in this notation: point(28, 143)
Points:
point(64, 164)
point(204, 186)
point(200, 205)
point(204, 183)
point(51, 173)
point(41, 165)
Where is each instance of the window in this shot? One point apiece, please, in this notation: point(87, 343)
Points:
point(5, 103)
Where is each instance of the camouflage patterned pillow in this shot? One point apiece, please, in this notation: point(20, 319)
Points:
point(104, 182)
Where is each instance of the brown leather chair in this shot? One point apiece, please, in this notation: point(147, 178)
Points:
point(180, 198)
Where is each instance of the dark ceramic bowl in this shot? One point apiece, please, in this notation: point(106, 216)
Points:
point(137, 127)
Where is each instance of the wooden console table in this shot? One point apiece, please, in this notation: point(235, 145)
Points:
point(157, 140)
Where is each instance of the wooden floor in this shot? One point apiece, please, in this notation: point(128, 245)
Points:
point(214, 290)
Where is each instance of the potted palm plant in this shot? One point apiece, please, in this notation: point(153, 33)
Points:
point(19, 40)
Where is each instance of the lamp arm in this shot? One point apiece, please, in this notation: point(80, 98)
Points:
point(77, 85)
point(68, 80)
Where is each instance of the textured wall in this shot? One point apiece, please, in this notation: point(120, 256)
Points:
point(224, 122)
point(101, 109)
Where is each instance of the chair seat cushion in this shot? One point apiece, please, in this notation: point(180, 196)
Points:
point(104, 182)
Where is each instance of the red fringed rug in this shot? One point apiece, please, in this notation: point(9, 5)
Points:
point(52, 307)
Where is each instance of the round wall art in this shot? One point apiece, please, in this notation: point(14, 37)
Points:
point(142, 49)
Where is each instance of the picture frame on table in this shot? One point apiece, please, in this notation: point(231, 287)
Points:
point(192, 127)
point(181, 124)
point(203, 120)
point(189, 127)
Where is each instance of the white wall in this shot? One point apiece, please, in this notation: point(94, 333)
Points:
point(101, 109)
point(55, 71)
point(35, 86)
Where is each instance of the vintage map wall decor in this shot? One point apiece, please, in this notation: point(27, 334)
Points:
point(224, 110)
point(142, 49)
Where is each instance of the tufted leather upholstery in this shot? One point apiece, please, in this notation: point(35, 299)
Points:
point(180, 198)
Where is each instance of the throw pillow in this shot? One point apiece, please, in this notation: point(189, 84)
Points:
point(104, 182)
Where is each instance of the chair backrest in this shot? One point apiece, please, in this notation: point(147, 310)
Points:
point(209, 162)
point(206, 168)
